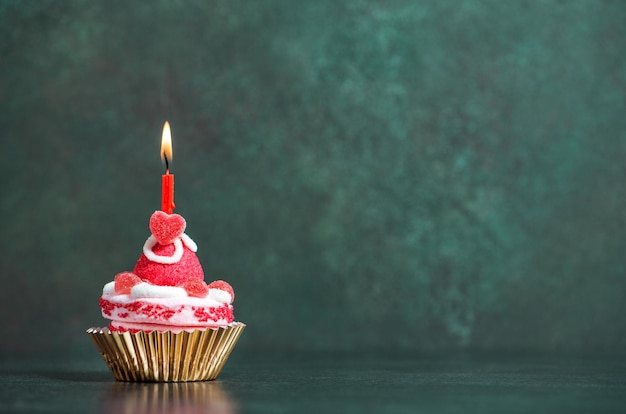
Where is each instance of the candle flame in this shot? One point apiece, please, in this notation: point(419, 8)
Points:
point(166, 145)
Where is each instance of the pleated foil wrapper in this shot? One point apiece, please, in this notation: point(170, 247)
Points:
point(155, 356)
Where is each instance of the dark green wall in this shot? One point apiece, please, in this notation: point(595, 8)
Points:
point(367, 174)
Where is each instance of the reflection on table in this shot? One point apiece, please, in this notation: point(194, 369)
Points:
point(174, 398)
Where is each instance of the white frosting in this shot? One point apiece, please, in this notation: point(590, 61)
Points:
point(109, 288)
point(191, 245)
point(220, 295)
point(166, 301)
point(152, 241)
point(147, 290)
point(178, 249)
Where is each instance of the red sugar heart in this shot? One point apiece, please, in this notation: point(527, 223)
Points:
point(166, 227)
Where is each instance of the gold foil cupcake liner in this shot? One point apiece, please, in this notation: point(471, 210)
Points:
point(155, 356)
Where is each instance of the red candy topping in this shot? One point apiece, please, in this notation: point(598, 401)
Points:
point(150, 310)
point(213, 314)
point(169, 274)
point(125, 281)
point(195, 287)
point(166, 227)
point(222, 285)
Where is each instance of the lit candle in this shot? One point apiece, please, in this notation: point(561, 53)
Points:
point(167, 179)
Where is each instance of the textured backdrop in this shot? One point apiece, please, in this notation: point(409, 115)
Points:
point(408, 175)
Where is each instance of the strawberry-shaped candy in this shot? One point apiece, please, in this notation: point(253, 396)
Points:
point(166, 227)
point(125, 281)
point(222, 285)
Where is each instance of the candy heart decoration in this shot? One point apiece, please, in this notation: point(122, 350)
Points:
point(166, 227)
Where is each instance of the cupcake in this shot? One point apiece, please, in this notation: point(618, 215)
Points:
point(166, 323)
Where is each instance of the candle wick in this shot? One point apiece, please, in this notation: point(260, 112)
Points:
point(167, 165)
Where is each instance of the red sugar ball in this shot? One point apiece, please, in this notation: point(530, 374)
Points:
point(188, 267)
point(225, 286)
point(195, 287)
point(125, 281)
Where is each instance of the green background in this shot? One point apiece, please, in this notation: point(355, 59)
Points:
point(368, 175)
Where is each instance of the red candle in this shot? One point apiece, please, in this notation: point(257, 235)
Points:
point(167, 179)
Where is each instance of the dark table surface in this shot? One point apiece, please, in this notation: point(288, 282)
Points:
point(331, 383)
